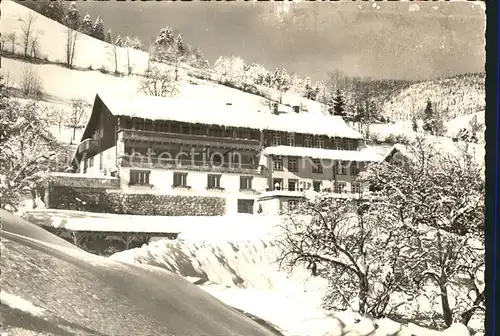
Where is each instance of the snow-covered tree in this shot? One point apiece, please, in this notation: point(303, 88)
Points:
point(438, 197)
point(86, 27)
point(72, 18)
point(119, 41)
point(280, 80)
point(108, 38)
point(254, 74)
point(26, 151)
point(98, 29)
point(166, 37)
point(159, 83)
point(54, 10)
point(135, 43)
point(348, 242)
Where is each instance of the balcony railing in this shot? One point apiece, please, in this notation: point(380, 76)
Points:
point(192, 165)
point(88, 146)
point(190, 139)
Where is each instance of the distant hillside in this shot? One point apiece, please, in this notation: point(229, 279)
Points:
point(454, 97)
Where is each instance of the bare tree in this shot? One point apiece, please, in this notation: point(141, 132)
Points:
point(3, 42)
point(31, 84)
point(157, 82)
point(70, 46)
point(113, 51)
point(348, 242)
point(78, 115)
point(35, 46)
point(27, 30)
point(57, 116)
point(11, 37)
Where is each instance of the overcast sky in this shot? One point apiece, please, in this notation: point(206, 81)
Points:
point(399, 40)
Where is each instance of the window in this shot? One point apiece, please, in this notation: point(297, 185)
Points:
point(213, 182)
point(341, 187)
point(292, 185)
point(307, 141)
point(91, 161)
point(354, 168)
point(245, 206)
point(341, 168)
point(317, 186)
point(139, 177)
point(277, 184)
point(349, 144)
point(293, 164)
point(180, 180)
point(355, 187)
point(320, 142)
point(244, 134)
point(246, 182)
point(101, 161)
point(291, 139)
point(276, 139)
point(292, 204)
point(278, 163)
point(337, 143)
point(317, 166)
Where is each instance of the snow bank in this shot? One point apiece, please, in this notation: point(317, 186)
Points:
point(52, 38)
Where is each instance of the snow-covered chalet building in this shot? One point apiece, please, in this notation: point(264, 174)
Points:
point(201, 154)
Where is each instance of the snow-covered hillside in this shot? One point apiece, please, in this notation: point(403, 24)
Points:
point(52, 40)
point(454, 96)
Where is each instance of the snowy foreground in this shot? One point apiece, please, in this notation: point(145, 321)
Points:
point(235, 261)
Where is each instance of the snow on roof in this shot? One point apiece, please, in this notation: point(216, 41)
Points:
point(365, 154)
point(443, 145)
point(234, 115)
point(90, 176)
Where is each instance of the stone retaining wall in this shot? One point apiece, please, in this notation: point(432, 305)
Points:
point(111, 201)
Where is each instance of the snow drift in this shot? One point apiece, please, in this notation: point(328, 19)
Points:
point(51, 288)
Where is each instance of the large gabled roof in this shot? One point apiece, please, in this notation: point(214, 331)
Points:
point(220, 113)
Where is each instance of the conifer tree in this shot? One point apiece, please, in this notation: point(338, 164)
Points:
point(98, 29)
point(72, 18)
point(339, 104)
point(86, 27)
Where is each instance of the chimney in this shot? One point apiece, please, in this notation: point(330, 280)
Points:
point(275, 108)
point(296, 109)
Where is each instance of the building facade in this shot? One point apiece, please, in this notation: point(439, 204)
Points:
point(160, 146)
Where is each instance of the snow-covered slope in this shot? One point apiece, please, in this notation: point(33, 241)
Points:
point(52, 37)
point(454, 96)
point(52, 288)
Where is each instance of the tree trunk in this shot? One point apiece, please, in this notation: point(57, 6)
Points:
point(74, 135)
point(363, 294)
point(447, 312)
point(467, 315)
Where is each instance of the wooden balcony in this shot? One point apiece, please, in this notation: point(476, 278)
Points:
point(190, 139)
point(191, 165)
point(89, 146)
